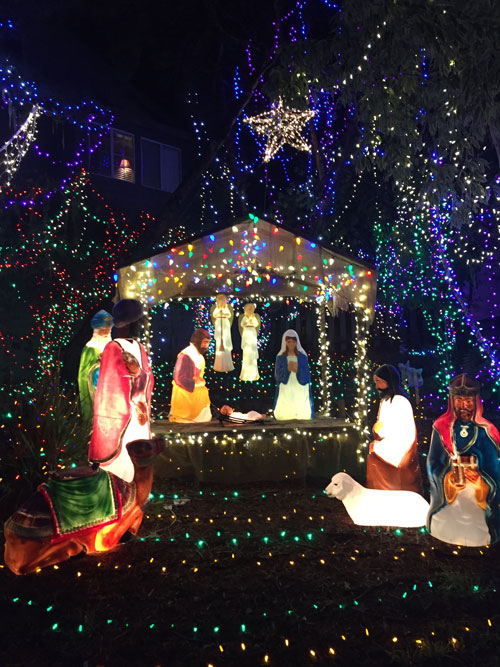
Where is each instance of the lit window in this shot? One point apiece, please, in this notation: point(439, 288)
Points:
point(123, 155)
point(161, 165)
point(115, 156)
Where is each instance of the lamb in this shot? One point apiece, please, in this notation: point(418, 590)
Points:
point(377, 507)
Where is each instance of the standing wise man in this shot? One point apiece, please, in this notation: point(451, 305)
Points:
point(122, 405)
point(90, 361)
point(464, 470)
point(190, 399)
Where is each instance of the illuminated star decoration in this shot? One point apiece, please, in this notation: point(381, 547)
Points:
point(282, 126)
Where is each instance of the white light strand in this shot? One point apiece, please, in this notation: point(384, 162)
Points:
point(324, 361)
point(362, 379)
point(13, 151)
point(281, 126)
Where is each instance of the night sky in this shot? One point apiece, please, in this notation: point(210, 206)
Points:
point(143, 55)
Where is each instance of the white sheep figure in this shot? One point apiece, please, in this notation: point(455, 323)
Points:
point(377, 507)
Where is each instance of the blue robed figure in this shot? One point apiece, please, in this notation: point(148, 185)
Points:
point(293, 398)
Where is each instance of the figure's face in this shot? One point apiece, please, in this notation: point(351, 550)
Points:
point(226, 410)
point(465, 407)
point(220, 300)
point(379, 383)
point(291, 344)
point(104, 331)
point(249, 309)
point(204, 345)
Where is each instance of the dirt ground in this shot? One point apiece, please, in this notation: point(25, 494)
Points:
point(262, 575)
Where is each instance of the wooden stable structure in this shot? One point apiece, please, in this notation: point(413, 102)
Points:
point(256, 260)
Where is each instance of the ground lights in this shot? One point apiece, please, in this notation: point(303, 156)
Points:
point(233, 536)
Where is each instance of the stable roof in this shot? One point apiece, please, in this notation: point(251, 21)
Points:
point(250, 259)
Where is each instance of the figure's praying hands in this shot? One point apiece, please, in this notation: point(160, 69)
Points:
point(471, 475)
point(293, 366)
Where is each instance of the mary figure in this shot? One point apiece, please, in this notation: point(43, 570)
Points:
point(293, 390)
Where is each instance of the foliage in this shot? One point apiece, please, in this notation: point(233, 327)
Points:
point(405, 153)
point(42, 430)
point(423, 76)
point(57, 261)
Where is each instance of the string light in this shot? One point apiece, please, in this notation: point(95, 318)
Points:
point(258, 533)
point(75, 271)
point(281, 126)
point(13, 151)
point(256, 261)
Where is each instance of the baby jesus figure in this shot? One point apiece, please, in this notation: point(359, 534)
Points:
point(240, 417)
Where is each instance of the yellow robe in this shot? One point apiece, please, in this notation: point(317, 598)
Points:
point(190, 399)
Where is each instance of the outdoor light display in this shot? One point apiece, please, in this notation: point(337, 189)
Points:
point(60, 244)
point(90, 119)
point(194, 536)
point(424, 247)
point(13, 151)
point(77, 270)
point(276, 314)
point(444, 233)
point(251, 257)
point(257, 453)
point(281, 126)
point(256, 260)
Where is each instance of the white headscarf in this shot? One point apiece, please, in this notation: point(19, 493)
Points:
point(291, 333)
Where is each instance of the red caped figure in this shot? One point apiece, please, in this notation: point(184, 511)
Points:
point(87, 510)
point(464, 470)
point(122, 405)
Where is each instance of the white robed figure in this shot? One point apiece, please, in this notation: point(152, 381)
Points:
point(293, 390)
point(249, 325)
point(222, 317)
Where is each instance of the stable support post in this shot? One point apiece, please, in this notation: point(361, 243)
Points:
point(362, 379)
point(324, 360)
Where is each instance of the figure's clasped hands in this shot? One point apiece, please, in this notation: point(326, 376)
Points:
point(471, 475)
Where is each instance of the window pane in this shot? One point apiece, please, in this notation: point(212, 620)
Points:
point(161, 165)
point(123, 156)
point(151, 175)
point(170, 168)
